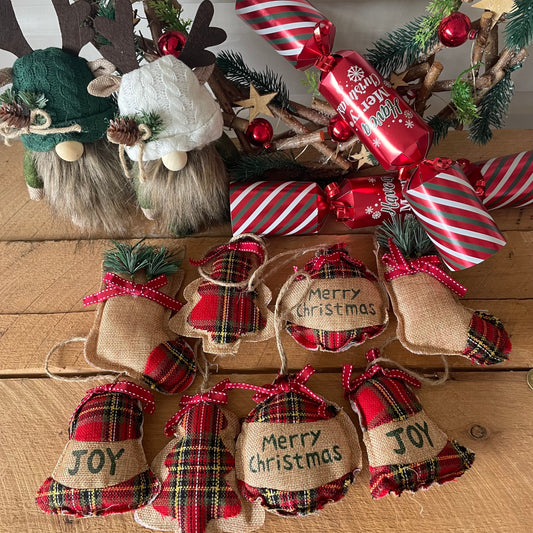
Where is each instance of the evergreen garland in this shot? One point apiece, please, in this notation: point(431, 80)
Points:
point(462, 98)
point(493, 110)
point(252, 167)
point(438, 10)
point(399, 48)
point(235, 69)
point(408, 234)
point(170, 16)
point(440, 127)
point(519, 29)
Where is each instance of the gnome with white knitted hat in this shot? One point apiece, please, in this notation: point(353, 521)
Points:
point(167, 125)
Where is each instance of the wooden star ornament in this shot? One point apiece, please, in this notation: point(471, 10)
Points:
point(397, 80)
point(257, 103)
point(363, 157)
point(498, 7)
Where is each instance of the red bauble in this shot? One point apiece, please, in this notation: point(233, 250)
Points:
point(171, 43)
point(259, 132)
point(339, 131)
point(454, 29)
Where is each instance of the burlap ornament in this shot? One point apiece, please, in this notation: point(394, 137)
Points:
point(430, 318)
point(130, 333)
point(197, 472)
point(296, 451)
point(103, 469)
point(342, 305)
point(222, 308)
point(406, 450)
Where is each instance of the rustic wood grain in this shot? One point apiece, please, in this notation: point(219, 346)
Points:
point(493, 496)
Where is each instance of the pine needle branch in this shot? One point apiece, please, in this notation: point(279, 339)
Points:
point(438, 9)
point(251, 167)
point(519, 29)
point(170, 16)
point(440, 127)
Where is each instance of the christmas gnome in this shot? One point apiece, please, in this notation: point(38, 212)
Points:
point(197, 471)
point(296, 451)
point(168, 122)
point(130, 333)
point(430, 318)
point(342, 306)
point(67, 159)
point(406, 450)
point(223, 308)
point(103, 469)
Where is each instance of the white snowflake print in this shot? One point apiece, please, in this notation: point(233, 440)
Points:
point(376, 215)
point(409, 124)
point(369, 210)
point(356, 73)
point(376, 142)
point(408, 114)
point(372, 180)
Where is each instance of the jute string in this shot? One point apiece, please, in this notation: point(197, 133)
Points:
point(146, 134)
point(8, 132)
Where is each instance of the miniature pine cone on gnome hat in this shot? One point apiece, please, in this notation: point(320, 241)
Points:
point(430, 318)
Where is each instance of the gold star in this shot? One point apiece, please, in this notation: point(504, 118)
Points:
point(397, 80)
point(498, 7)
point(363, 157)
point(257, 103)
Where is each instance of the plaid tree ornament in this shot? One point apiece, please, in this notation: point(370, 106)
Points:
point(131, 334)
point(221, 308)
point(343, 305)
point(430, 318)
point(296, 451)
point(197, 471)
point(103, 469)
point(406, 450)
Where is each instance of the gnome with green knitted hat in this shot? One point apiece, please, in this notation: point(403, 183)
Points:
point(168, 123)
point(67, 159)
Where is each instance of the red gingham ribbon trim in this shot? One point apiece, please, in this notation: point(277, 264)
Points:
point(398, 266)
point(117, 286)
point(241, 246)
point(124, 387)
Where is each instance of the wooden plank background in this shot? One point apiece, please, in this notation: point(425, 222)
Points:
point(47, 266)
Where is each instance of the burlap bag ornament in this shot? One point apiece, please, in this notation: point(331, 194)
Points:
point(225, 307)
point(342, 306)
point(197, 471)
point(130, 333)
point(406, 450)
point(431, 320)
point(103, 469)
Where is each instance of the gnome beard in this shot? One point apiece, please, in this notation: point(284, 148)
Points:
point(91, 191)
point(187, 200)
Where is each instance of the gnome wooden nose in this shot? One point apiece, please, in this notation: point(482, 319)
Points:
point(69, 150)
point(175, 160)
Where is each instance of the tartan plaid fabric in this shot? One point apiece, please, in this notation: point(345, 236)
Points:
point(227, 312)
point(333, 268)
point(195, 490)
point(487, 343)
point(171, 367)
point(449, 464)
point(55, 498)
point(298, 503)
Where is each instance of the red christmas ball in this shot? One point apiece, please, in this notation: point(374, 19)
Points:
point(171, 43)
point(259, 132)
point(454, 29)
point(339, 131)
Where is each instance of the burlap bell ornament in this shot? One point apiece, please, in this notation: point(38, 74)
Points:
point(130, 333)
point(103, 469)
point(431, 320)
point(406, 450)
point(342, 305)
point(222, 308)
point(197, 471)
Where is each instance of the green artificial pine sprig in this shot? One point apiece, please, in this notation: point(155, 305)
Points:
point(438, 9)
point(519, 29)
point(312, 82)
point(440, 127)
point(252, 167)
point(28, 99)
point(170, 16)
point(408, 234)
point(493, 110)
point(462, 97)
point(9, 96)
point(232, 65)
point(398, 49)
point(106, 8)
point(150, 118)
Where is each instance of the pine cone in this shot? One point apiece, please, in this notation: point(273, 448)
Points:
point(16, 115)
point(123, 131)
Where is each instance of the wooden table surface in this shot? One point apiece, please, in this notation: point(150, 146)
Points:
point(47, 266)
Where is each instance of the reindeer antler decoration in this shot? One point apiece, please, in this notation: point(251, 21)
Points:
point(11, 37)
point(72, 18)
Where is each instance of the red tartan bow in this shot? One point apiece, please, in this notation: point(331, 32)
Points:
point(294, 384)
point(318, 261)
point(117, 286)
point(241, 246)
point(124, 387)
point(398, 266)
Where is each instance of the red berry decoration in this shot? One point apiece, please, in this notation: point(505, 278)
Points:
point(171, 43)
point(339, 131)
point(454, 29)
point(259, 132)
